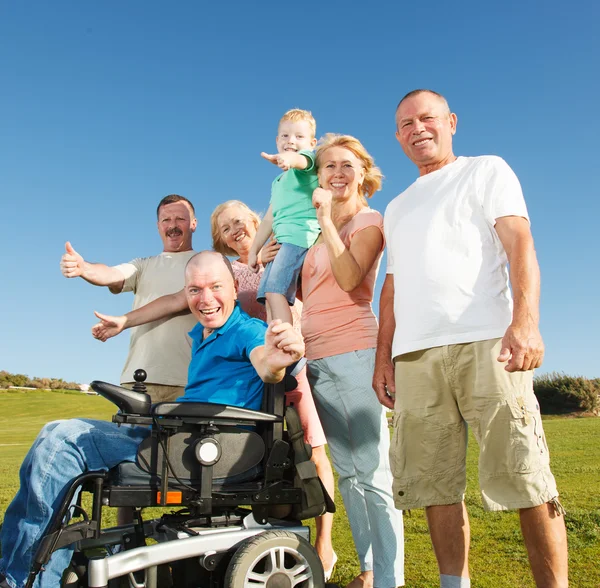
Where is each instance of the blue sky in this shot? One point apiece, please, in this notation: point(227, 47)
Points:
point(107, 106)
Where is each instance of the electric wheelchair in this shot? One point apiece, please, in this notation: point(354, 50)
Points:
point(238, 482)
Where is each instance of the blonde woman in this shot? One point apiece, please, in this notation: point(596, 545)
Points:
point(340, 335)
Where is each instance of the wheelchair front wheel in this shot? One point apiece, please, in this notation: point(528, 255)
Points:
point(279, 559)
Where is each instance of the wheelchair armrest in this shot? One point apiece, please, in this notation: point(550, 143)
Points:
point(210, 410)
point(127, 400)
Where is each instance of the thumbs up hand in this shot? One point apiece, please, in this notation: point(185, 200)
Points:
point(72, 265)
point(109, 326)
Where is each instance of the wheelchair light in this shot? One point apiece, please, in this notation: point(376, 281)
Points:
point(208, 451)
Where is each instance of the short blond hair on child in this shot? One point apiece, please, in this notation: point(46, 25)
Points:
point(297, 115)
point(373, 175)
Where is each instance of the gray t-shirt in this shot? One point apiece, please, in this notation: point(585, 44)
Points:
point(162, 347)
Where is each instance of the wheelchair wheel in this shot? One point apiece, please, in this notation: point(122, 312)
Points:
point(277, 559)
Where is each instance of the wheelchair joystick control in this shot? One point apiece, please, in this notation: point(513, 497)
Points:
point(140, 377)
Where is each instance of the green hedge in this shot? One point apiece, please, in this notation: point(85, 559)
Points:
point(559, 393)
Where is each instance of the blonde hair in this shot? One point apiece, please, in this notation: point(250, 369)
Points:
point(217, 242)
point(297, 115)
point(373, 175)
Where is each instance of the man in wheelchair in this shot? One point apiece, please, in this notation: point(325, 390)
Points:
point(233, 356)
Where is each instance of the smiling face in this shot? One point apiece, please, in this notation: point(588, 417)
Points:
point(424, 129)
point(210, 289)
point(341, 172)
point(237, 229)
point(176, 225)
point(295, 136)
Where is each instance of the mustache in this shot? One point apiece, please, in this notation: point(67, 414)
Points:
point(174, 232)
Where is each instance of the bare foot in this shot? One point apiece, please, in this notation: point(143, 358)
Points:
point(363, 580)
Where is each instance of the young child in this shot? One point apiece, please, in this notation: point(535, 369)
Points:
point(291, 215)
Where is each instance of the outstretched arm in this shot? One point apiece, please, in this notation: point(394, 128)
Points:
point(522, 344)
point(163, 307)
point(72, 265)
point(383, 375)
point(349, 265)
point(287, 160)
point(283, 347)
point(262, 234)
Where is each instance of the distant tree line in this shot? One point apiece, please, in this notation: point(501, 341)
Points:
point(7, 379)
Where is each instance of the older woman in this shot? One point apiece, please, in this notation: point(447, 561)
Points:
point(233, 227)
point(340, 334)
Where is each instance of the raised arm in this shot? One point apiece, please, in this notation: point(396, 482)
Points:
point(262, 234)
point(522, 343)
point(283, 347)
point(349, 265)
point(287, 160)
point(72, 265)
point(163, 307)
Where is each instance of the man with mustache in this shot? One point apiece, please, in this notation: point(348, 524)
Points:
point(162, 348)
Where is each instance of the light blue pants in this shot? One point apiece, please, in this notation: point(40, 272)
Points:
point(359, 441)
point(62, 451)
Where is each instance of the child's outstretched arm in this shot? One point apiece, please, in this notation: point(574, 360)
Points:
point(287, 160)
point(163, 307)
point(262, 234)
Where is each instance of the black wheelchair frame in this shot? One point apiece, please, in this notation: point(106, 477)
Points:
point(243, 482)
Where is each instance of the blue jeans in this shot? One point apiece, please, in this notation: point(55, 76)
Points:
point(62, 451)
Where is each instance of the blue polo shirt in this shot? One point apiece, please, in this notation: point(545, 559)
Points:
point(220, 369)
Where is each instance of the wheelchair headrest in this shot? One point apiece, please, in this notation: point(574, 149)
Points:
point(127, 400)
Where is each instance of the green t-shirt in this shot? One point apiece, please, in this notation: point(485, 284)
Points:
point(294, 216)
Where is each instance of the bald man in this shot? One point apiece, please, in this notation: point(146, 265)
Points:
point(230, 351)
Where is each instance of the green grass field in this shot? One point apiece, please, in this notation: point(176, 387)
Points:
point(498, 557)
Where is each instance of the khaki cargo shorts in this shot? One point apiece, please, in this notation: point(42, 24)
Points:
point(441, 390)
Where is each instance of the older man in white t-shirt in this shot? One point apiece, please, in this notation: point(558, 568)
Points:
point(455, 348)
point(162, 348)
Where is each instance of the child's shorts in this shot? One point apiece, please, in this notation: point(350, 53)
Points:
point(281, 275)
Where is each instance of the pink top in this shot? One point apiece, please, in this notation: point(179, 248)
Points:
point(334, 321)
point(248, 283)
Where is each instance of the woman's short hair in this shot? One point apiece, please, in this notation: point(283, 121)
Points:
point(373, 175)
point(217, 242)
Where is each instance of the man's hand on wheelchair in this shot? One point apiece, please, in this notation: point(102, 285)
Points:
point(283, 344)
point(108, 327)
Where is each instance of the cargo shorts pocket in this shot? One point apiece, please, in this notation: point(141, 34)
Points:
point(529, 450)
point(422, 448)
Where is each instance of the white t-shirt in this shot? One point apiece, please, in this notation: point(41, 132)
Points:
point(162, 348)
point(449, 266)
